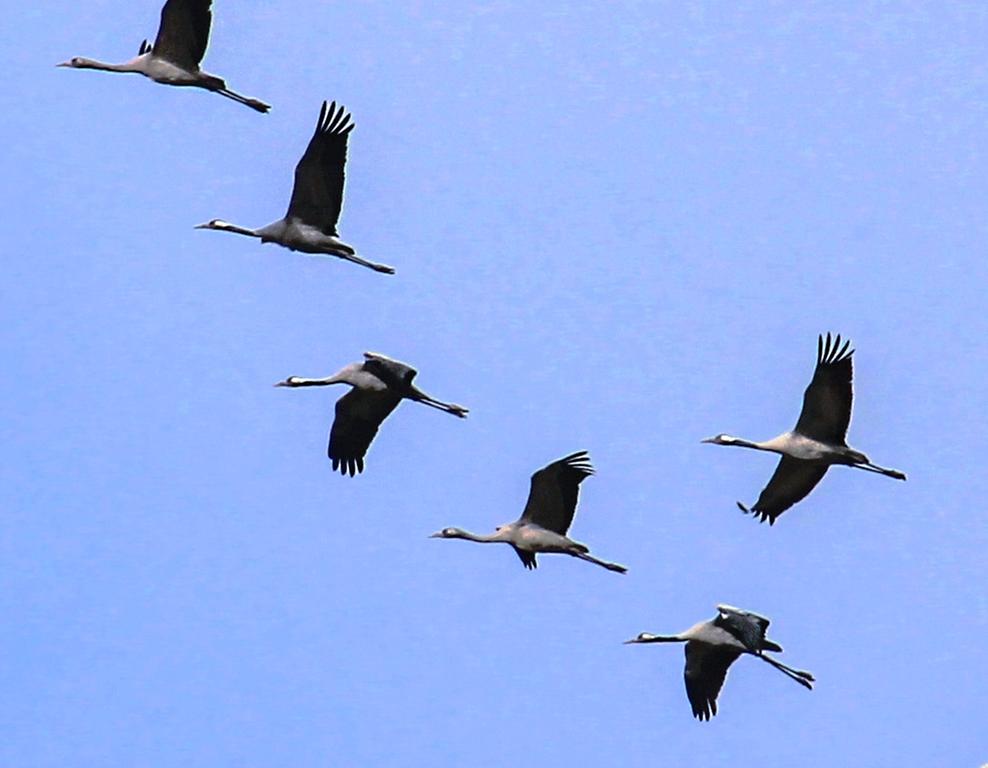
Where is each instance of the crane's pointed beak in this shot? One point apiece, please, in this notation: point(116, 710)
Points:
point(206, 225)
point(64, 64)
point(436, 535)
point(709, 440)
point(632, 641)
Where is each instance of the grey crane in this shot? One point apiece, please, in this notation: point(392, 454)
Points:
point(317, 198)
point(174, 58)
point(819, 439)
point(712, 646)
point(547, 516)
point(378, 385)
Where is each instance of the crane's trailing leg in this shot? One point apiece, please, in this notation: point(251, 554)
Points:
point(805, 679)
point(364, 263)
point(602, 563)
point(419, 396)
point(869, 467)
point(254, 104)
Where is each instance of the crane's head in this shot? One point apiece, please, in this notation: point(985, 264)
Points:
point(214, 224)
point(226, 226)
point(291, 381)
point(644, 637)
point(448, 533)
point(78, 62)
point(722, 440)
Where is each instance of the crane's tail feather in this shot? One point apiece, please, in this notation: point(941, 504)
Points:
point(602, 563)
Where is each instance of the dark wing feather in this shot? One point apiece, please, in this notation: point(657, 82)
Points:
point(554, 492)
point(527, 558)
point(748, 627)
point(792, 481)
point(359, 413)
point(184, 32)
point(770, 645)
point(826, 410)
point(317, 197)
point(706, 669)
point(394, 373)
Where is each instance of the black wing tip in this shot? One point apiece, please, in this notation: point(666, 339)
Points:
point(760, 514)
point(333, 121)
point(830, 351)
point(579, 461)
point(352, 467)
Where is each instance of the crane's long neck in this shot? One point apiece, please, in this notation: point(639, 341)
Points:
point(490, 538)
point(225, 226)
point(127, 66)
point(765, 445)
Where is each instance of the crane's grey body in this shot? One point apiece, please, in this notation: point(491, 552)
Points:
point(310, 225)
point(819, 439)
point(296, 235)
point(378, 385)
point(712, 646)
point(807, 449)
point(547, 516)
point(183, 35)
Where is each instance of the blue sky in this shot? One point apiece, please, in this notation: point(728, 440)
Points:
point(617, 226)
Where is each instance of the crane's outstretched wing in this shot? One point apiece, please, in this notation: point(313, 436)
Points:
point(359, 413)
point(554, 492)
point(748, 627)
point(792, 481)
point(317, 197)
point(184, 32)
point(396, 374)
point(706, 669)
point(826, 410)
